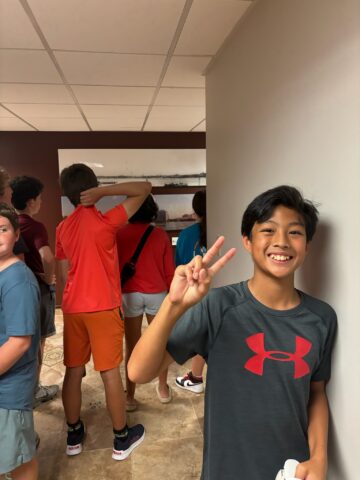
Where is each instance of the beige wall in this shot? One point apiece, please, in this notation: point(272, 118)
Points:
point(283, 106)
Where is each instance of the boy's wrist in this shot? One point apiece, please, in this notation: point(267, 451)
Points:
point(174, 309)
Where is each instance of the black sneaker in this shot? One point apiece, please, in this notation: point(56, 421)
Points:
point(123, 448)
point(75, 438)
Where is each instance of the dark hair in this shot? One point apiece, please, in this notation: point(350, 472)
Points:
point(262, 207)
point(9, 213)
point(147, 213)
point(4, 180)
point(199, 207)
point(24, 189)
point(76, 179)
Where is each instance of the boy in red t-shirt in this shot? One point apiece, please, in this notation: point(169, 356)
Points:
point(87, 254)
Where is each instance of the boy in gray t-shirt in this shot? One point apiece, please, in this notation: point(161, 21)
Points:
point(267, 346)
point(19, 343)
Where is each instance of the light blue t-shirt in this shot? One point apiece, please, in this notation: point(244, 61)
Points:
point(19, 316)
point(188, 245)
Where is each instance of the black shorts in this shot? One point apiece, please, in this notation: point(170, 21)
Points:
point(47, 310)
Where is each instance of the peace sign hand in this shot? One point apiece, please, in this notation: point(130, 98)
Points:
point(191, 282)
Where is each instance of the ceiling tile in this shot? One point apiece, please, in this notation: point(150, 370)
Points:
point(208, 24)
point(113, 95)
point(126, 26)
point(181, 96)
point(114, 124)
point(16, 30)
point(43, 110)
point(8, 124)
point(174, 118)
point(186, 72)
point(110, 69)
point(5, 113)
point(60, 124)
point(114, 111)
point(201, 127)
point(32, 93)
point(27, 66)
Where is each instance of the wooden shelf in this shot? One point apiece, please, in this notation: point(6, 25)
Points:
point(176, 190)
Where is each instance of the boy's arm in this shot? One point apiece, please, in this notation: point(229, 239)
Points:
point(48, 262)
point(12, 350)
point(190, 284)
point(318, 411)
point(63, 268)
point(136, 193)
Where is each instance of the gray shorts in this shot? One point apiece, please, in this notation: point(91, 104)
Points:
point(47, 310)
point(17, 438)
point(137, 303)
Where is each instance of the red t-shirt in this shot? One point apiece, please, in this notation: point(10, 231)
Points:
point(35, 236)
point(86, 238)
point(155, 266)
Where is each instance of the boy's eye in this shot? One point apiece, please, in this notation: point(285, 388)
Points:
point(296, 232)
point(3, 229)
point(267, 230)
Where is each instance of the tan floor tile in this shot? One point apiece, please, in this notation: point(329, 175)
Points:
point(178, 459)
point(94, 465)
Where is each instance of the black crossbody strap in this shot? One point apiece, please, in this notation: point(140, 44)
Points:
point(141, 244)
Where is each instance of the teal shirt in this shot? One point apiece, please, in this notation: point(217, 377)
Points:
point(188, 245)
point(19, 316)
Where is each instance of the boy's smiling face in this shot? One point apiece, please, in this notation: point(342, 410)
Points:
point(8, 237)
point(278, 246)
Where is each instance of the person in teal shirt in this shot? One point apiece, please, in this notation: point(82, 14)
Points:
point(192, 242)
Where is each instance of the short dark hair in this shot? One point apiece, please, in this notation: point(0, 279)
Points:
point(24, 189)
point(4, 180)
point(199, 207)
point(147, 213)
point(76, 179)
point(9, 213)
point(262, 207)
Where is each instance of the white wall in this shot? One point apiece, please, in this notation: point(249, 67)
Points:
point(283, 106)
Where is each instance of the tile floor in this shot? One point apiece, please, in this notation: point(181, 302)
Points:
point(172, 447)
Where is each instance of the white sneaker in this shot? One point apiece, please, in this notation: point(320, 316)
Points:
point(288, 472)
point(191, 383)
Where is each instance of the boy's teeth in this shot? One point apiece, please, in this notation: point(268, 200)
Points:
point(281, 258)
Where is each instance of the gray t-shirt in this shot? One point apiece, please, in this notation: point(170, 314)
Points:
point(260, 365)
point(19, 316)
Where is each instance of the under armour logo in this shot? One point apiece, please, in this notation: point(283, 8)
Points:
point(255, 364)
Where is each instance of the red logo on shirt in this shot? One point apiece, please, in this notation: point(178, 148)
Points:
point(255, 364)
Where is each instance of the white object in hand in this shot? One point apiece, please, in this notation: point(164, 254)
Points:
point(288, 473)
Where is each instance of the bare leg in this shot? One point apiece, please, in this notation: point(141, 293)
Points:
point(163, 386)
point(197, 366)
point(26, 471)
point(115, 397)
point(132, 336)
point(71, 393)
point(40, 356)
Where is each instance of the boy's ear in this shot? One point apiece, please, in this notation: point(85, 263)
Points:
point(17, 234)
point(247, 243)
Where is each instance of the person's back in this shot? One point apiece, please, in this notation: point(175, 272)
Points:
point(86, 238)
point(86, 250)
point(144, 292)
point(155, 267)
point(19, 344)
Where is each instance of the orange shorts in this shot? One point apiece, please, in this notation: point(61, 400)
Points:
point(97, 333)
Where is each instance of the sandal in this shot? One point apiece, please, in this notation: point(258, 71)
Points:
point(164, 399)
